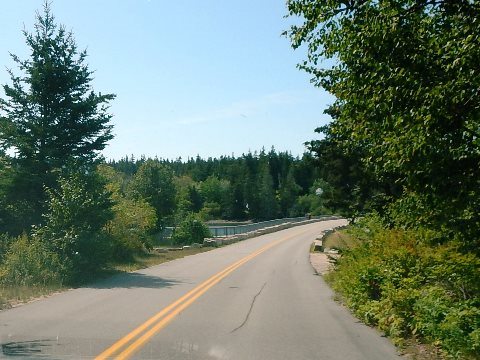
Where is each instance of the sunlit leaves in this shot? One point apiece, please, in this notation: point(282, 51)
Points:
point(406, 80)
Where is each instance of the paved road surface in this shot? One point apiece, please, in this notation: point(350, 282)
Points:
point(267, 305)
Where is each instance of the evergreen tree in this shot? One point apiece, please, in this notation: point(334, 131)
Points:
point(237, 201)
point(51, 114)
point(268, 206)
point(288, 192)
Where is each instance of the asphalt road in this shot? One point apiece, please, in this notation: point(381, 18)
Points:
point(256, 299)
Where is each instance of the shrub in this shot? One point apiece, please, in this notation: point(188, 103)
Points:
point(131, 226)
point(29, 262)
point(133, 220)
point(190, 230)
point(77, 213)
point(401, 282)
point(154, 183)
point(5, 242)
point(211, 210)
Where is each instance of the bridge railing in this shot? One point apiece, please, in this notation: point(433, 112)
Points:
point(228, 230)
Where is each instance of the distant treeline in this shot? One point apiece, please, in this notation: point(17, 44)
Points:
point(255, 186)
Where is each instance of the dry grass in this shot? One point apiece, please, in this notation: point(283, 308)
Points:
point(11, 296)
point(154, 258)
point(339, 239)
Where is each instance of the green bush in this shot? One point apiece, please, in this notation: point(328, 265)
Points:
point(131, 227)
point(401, 282)
point(29, 262)
point(74, 224)
point(134, 219)
point(453, 324)
point(190, 230)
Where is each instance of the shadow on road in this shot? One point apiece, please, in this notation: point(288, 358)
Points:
point(132, 280)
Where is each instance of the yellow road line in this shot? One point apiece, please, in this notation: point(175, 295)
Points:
point(116, 346)
point(171, 311)
point(162, 323)
point(111, 350)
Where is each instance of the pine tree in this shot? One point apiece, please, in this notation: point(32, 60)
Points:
point(288, 192)
point(51, 115)
point(268, 206)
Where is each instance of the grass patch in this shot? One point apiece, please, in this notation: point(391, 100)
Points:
point(339, 239)
point(11, 296)
point(155, 258)
point(416, 350)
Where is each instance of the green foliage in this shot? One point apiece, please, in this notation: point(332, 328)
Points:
point(30, 262)
point(267, 201)
point(77, 213)
point(47, 106)
point(133, 219)
point(211, 211)
point(315, 202)
point(5, 183)
point(405, 78)
point(51, 115)
point(452, 323)
point(406, 284)
point(189, 200)
point(21, 200)
point(154, 183)
point(216, 194)
point(5, 242)
point(190, 230)
point(352, 189)
point(131, 227)
point(403, 141)
point(255, 185)
point(287, 193)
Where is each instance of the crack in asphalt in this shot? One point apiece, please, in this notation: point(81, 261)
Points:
point(250, 310)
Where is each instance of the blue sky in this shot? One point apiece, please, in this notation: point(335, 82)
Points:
point(191, 77)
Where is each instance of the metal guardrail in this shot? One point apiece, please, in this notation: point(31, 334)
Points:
point(226, 230)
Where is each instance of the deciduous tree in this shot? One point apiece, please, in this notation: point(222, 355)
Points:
point(153, 182)
point(405, 76)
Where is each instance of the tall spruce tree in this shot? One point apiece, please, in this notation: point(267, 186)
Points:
point(51, 114)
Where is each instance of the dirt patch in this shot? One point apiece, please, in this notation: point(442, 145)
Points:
point(322, 262)
point(414, 350)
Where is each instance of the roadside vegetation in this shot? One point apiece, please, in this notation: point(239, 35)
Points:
point(12, 294)
point(404, 151)
point(409, 286)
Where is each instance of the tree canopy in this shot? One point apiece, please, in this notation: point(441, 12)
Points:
point(406, 80)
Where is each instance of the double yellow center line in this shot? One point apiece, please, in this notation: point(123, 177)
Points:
point(133, 341)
